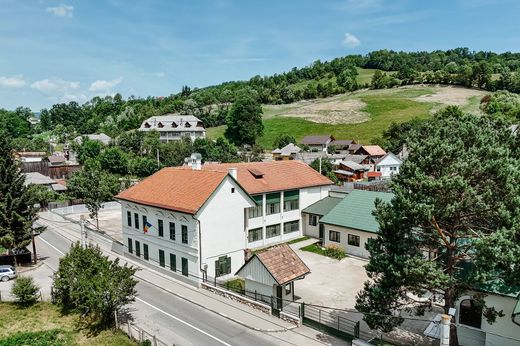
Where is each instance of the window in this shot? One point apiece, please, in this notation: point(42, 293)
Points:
point(137, 249)
point(272, 231)
point(378, 169)
point(130, 245)
point(161, 228)
point(288, 289)
point(313, 220)
point(272, 203)
point(173, 262)
point(184, 266)
point(129, 219)
point(289, 227)
point(184, 235)
point(145, 220)
point(172, 231)
point(470, 314)
point(136, 219)
point(161, 258)
point(353, 240)
point(291, 200)
point(223, 266)
point(334, 236)
point(254, 235)
point(393, 168)
point(145, 251)
point(256, 211)
point(232, 190)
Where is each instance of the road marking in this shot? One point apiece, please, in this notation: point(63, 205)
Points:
point(183, 322)
point(52, 246)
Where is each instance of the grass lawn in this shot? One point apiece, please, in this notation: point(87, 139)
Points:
point(297, 240)
point(384, 107)
point(43, 324)
point(315, 248)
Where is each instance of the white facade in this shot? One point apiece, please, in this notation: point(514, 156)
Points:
point(388, 165)
point(172, 127)
point(203, 242)
point(354, 246)
point(261, 223)
point(503, 332)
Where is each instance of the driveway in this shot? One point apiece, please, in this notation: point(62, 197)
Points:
point(331, 282)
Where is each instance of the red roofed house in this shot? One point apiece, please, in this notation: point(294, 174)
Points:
point(200, 219)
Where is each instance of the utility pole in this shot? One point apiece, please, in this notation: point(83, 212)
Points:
point(445, 330)
point(34, 248)
point(320, 164)
point(158, 161)
point(83, 233)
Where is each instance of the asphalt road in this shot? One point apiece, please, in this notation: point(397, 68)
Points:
point(173, 319)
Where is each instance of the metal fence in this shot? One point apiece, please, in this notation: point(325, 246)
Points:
point(330, 321)
point(134, 332)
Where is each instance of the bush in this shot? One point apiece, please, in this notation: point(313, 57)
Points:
point(25, 290)
point(335, 251)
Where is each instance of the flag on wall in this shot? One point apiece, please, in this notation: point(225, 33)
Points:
point(147, 226)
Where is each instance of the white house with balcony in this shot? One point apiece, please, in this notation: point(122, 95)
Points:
point(197, 221)
point(172, 127)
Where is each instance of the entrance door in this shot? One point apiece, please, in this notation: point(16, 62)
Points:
point(279, 301)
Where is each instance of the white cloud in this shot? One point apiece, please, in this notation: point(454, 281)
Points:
point(54, 85)
point(351, 41)
point(80, 98)
point(104, 85)
point(160, 74)
point(61, 10)
point(12, 82)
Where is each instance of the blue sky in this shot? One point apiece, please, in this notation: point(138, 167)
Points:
point(58, 51)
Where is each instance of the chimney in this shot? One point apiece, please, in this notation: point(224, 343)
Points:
point(196, 161)
point(232, 171)
point(247, 254)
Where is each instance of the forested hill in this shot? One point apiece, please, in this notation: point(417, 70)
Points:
point(460, 66)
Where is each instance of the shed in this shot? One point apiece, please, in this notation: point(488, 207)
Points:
point(272, 273)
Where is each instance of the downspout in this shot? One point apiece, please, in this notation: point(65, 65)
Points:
point(204, 273)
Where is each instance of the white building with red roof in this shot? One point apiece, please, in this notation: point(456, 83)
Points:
point(198, 220)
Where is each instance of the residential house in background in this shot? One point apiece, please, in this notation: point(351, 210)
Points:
point(57, 160)
point(173, 127)
point(317, 143)
point(30, 156)
point(70, 155)
point(350, 171)
point(342, 146)
point(198, 220)
point(271, 273)
point(289, 152)
point(350, 222)
point(388, 165)
point(35, 178)
point(374, 152)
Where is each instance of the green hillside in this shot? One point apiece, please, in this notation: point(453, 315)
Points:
point(361, 115)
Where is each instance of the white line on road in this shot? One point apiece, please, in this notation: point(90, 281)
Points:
point(183, 322)
point(52, 246)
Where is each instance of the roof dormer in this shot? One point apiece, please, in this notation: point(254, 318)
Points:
point(146, 125)
point(187, 124)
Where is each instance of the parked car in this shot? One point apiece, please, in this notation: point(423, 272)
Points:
point(7, 273)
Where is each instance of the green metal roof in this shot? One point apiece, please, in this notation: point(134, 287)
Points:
point(355, 211)
point(323, 206)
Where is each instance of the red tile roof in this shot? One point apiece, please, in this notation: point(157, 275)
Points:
point(374, 150)
point(275, 175)
point(175, 189)
point(283, 263)
point(373, 174)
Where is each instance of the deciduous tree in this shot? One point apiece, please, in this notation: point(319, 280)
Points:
point(244, 122)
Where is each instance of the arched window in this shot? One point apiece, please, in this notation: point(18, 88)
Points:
point(470, 314)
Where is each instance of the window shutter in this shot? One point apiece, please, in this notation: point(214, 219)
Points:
point(228, 265)
point(217, 269)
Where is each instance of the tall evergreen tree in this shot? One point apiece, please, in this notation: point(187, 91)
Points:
point(456, 197)
point(17, 211)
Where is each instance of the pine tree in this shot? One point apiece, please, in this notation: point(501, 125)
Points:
point(17, 211)
point(456, 197)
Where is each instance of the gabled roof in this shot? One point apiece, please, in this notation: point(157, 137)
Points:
point(352, 165)
point(175, 189)
point(374, 150)
point(316, 140)
point(354, 147)
point(389, 155)
point(262, 177)
point(323, 206)
point(281, 262)
point(289, 149)
point(57, 159)
point(37, 179)
point(355, 158)
point(355, 211)
point(172, 122)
